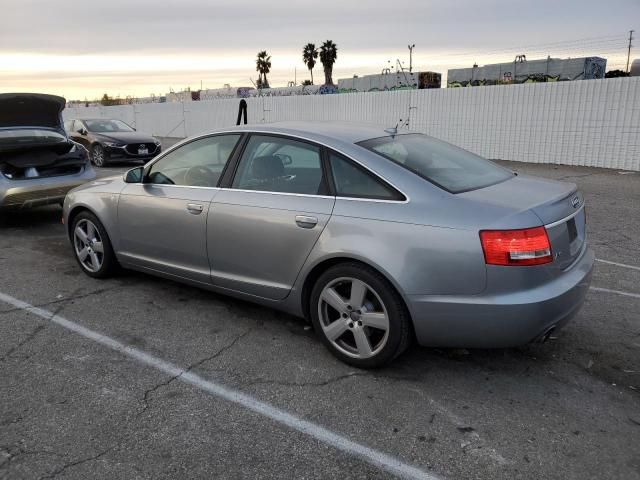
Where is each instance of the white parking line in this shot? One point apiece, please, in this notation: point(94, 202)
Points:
point(617, 292)
point(374, 457)
point(624, 265)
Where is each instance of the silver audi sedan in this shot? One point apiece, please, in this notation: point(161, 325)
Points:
point(377, 236)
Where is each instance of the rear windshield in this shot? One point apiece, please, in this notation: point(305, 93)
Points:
point(449, 167)
point(107, 126)
point(30, 136)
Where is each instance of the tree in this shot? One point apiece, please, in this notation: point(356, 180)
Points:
point(263, 66)
point(106, 100)
point(328, 56)
point(615, 74)
point(309, 55)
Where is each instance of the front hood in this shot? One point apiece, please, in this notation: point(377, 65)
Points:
point(124, 137)
point(31, 110)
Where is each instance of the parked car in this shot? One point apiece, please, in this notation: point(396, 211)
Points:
point(39, 164)
point(375, 236)
point(109, 139)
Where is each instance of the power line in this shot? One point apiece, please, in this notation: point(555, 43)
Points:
point(583, 41)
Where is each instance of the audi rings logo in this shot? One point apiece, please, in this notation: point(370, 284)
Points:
point(575, 201)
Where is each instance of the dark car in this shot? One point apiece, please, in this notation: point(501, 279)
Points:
point(38, 162)
point(110, 139)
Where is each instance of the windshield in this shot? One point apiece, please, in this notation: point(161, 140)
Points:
point(107, 126)
point(28, 136)
point(449, 167)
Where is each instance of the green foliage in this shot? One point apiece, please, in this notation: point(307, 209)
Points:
point(328, 56)
point(263, 66)
point(309, 56)
point(616, 74)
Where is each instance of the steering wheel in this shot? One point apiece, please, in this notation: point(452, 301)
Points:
point(198, 176)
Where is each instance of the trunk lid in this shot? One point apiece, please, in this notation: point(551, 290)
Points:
point(31, 110)
point(558, 205)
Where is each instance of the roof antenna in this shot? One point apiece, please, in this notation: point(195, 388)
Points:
point(393, 130)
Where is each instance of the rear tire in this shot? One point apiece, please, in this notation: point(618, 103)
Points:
point(359, 316)
point(91, 246)
point(98, 156)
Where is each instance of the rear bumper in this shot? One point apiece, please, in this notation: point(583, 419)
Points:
point(501, 321)
point(35, 192)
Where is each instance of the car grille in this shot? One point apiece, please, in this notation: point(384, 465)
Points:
point(36, 196)
point(132, 148)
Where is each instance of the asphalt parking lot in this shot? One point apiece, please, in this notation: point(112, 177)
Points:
point(231, 390)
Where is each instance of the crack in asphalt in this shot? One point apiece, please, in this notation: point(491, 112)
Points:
point(73, 296)
point(564, 177)
point(75, 463)
point(284, 383)
point(222, 350)
point(14, 451)
point(34, 333)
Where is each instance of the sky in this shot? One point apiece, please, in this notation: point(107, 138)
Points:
point(138, 47)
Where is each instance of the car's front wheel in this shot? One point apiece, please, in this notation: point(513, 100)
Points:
point(92, 247)
point(359, 316)
point(98, 155)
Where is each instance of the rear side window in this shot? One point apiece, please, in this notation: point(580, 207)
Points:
point(449, 167)
point(354, 181)
point(278, 164)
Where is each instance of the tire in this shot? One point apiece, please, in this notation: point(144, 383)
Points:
point(98, 156)
point(341, 321)
point(91, 246)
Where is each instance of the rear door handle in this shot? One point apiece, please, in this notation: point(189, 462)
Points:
point(195, 208)
point(303, 221)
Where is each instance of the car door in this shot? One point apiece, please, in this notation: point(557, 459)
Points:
point(267, 218)
point(162, 221)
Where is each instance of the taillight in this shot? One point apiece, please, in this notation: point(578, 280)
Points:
point(529, 246)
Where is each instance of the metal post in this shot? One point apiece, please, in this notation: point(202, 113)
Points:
point(411, 47)
point(629, 50)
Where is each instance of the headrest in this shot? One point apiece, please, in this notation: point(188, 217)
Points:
point(268, 166)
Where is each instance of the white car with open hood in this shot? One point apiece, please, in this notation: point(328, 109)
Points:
point(39, 164)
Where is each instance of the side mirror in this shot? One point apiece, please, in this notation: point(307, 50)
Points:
point(134, 175)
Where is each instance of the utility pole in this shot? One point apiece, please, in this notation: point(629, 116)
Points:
point(629, 50)
point(411, 47)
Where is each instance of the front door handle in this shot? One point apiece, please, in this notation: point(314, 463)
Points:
point(195, 208)
point(303, 221)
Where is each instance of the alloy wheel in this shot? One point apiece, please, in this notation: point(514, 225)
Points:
point(353, 317)
point(98, 156)
point(88, 245)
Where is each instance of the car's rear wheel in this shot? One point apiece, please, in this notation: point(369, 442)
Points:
point(98, 155)
point(359, 316)
point(92, 247)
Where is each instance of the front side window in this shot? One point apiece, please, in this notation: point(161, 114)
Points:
point(197, 164)
point(354, 181)
point(449, 167)
point(105, 126)
point(275, 164)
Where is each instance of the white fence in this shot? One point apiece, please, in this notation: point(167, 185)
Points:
point(590, 122)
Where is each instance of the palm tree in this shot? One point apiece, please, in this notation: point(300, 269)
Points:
point(309, 55)
point(263, 66)
point(328, 56)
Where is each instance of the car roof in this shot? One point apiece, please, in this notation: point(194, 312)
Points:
point(348, 132)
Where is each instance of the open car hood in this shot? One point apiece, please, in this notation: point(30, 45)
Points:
point(31, 110)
